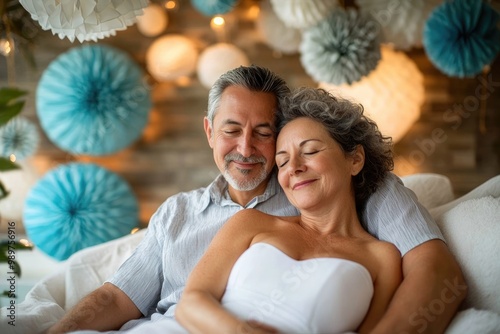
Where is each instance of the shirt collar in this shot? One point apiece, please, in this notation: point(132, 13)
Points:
point(217, 193)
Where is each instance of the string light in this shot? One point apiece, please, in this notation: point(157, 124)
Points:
point(6, 47)
point(170, 4)
point(12, 157)
point(218, 25)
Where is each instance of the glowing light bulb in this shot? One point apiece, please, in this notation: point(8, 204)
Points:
point(6, 47)
point(170, 4)
point(218, 25)
point(12, 157)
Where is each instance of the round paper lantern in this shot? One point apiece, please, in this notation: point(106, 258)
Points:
point(18, 137)
point(76, 206)
point(84, 20)
point(341, 49)
point(213, 7)
point(275, 33)
point(18, 183)
point(462, 36)
point(170, 57)
point(217, 60)
point(153, 22)
point(402, 23)
point(392, 94)
point(302, 14)
point(92, 100)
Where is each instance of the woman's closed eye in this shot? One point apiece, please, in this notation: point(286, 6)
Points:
point(281, 163)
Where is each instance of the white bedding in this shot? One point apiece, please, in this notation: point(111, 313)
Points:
point(56, 293)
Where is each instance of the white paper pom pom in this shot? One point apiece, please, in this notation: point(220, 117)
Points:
point(275, 33)
point(392, 94)
point(402, 22)
point(303, 13)
point(153, 22)
point(217, 60)
point(171, 57)
point(84, 20)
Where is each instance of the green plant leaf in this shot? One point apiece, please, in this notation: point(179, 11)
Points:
point(6, 165)
point(3, 192)
point(7, 95)
point(9, 107)
point(9, 111)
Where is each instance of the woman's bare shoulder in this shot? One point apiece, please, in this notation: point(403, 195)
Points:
point(385, 253)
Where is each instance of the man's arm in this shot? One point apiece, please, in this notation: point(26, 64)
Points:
point(432, 289)
point(106, 308)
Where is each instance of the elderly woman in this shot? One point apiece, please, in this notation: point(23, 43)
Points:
point(319, 272)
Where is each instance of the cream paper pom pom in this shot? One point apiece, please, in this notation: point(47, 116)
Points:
point(217, 60)
point(392, 94)
point(153, 22)
point(171, 57)
point(302, 14)
point(275, 33)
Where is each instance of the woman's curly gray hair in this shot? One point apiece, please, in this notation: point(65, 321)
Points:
point(347, 124)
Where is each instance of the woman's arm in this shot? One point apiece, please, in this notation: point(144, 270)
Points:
point(387, 280)
point(199, 309)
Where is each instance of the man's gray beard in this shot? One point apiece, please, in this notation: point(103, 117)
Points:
point(247, 184)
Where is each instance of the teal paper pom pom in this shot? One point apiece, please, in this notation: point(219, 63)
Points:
point(341, 49)
point(76, 206)
point(213, 7)
point(461, 37)
point(19, 137)
point(92, 100)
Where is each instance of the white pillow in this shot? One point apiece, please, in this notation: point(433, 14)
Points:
point(472, 232)
point(432, 190)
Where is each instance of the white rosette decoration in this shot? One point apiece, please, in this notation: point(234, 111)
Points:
point(402, 22)
point(303, 14)
point(84, 20)
point(392, 94)
point(275, 33)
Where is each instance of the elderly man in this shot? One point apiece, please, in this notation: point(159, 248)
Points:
point(240, 130)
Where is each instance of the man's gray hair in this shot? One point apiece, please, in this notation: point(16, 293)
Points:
point(254, 78)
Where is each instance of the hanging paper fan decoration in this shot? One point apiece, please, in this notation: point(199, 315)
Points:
point(462, 36)
point(341, 49)
point(18, 183)
point(402, 23)
point(392, 94)
point(275, 33)
point(76, 206)
point(84, 20)
point(217, 60)
point(302, 14)
point(18, 137)
point(92, 100)
point(171, 57)
point(213, 7)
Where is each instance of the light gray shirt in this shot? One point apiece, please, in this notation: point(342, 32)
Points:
point(182, 228)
